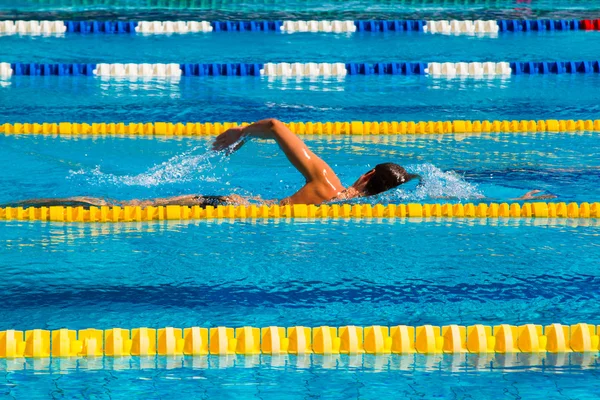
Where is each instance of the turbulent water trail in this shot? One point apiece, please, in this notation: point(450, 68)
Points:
point(184, 167)
point(435, 185)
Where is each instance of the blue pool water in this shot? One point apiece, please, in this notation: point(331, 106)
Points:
point(303, 9)
point(300, 272)
point(257, 47)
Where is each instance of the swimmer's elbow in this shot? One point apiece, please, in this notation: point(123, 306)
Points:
point(271, 123)
point(264, 129)
point(272, 126)
point(276, 125)
point(279, 130)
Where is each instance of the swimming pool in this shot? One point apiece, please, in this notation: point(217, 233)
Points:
point(296, 272)
point(251, 274)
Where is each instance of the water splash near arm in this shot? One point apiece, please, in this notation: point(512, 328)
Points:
point(194, 165)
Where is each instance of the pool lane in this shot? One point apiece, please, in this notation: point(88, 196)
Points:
point(368, 98)
point(484, 167)
point(248, 47)
point(308, 273)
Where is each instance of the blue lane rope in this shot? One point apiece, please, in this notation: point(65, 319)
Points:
point(562, 67)
point(512, 25)
point(245, 69)
point(241, 26)
point(129, 26)
point(361, 26)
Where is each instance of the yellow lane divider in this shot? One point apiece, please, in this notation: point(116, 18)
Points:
point(305, 128)
point(247, 340)
point(469, 210)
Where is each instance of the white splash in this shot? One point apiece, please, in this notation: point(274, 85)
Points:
point(436, 185)
point(185, 167)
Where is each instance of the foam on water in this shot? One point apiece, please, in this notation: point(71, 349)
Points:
point(184, 167)
point(435, 185)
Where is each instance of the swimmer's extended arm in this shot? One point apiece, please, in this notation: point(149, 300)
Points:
point(533, 195)
point(309, 164)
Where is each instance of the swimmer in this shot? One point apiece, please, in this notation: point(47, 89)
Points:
point(322, 184)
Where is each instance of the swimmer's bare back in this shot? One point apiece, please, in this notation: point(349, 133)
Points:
point(84, 201)
point(189, 200)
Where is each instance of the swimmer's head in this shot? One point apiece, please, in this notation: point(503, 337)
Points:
point(382, 178)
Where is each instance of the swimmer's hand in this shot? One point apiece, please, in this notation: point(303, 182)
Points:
point(229, 140)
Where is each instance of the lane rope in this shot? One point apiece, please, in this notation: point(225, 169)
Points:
point(306, 128)
point(335, 211)
point(299, 340)
point(8, 27)
point(477, 70)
